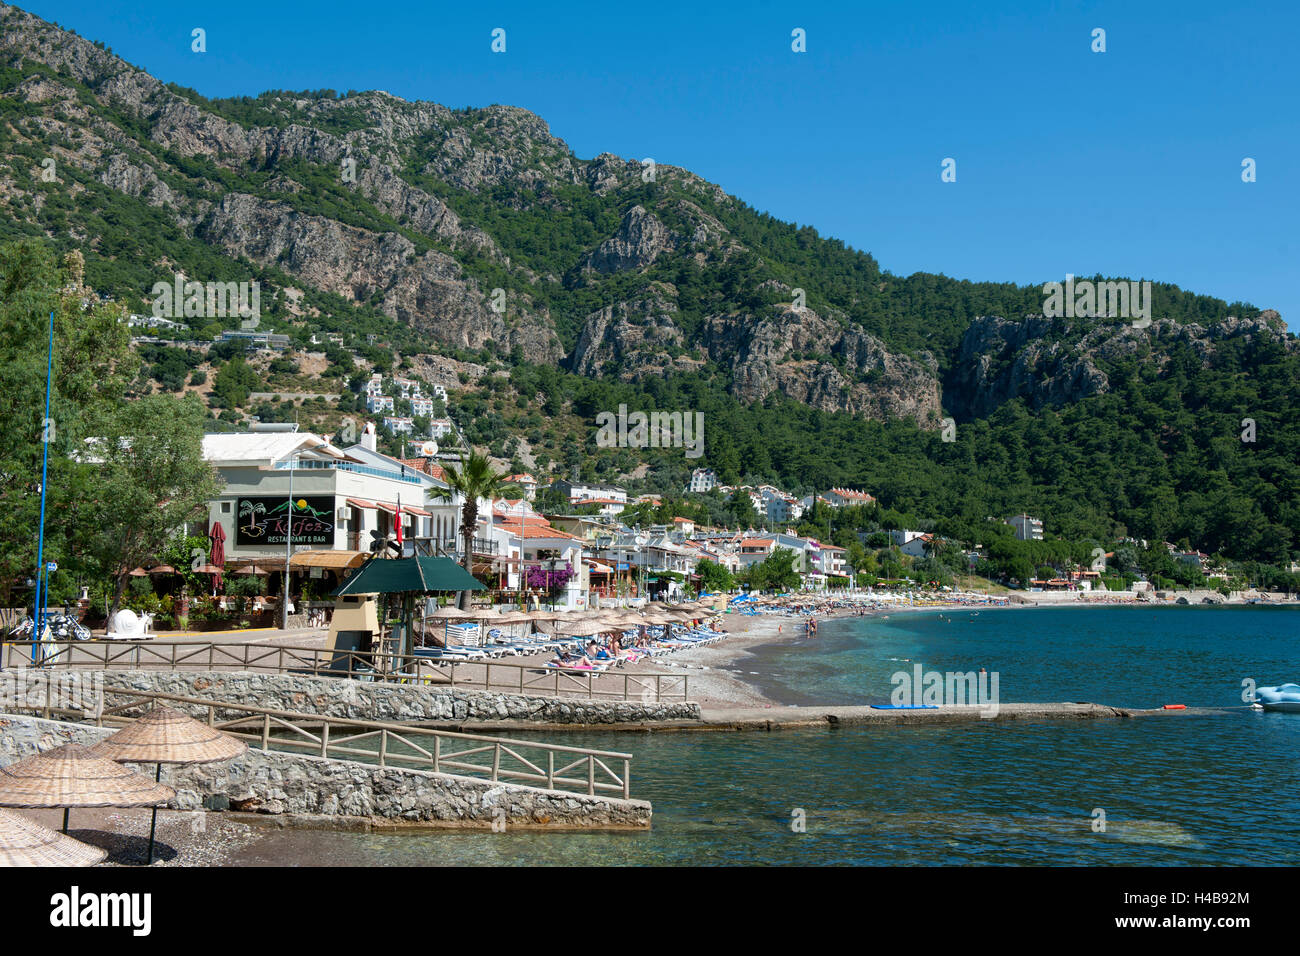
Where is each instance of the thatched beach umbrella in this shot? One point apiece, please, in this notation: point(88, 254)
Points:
point(75, 776)
point(584, 624)
point(453, 614)
point(167, 736)
point(511, 617)
point(25, 842)
point(624, 620)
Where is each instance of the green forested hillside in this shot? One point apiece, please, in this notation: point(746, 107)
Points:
point(665, 294)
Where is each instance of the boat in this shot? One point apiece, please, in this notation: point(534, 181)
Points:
point(1284, 697)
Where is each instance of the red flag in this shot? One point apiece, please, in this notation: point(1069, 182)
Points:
point(399, 519)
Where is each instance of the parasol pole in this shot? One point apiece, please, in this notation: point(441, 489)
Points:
point(153, 820)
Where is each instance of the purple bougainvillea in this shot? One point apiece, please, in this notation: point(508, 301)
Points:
point(545, 580)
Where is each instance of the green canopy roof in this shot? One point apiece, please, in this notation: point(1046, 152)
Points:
point(420, 574)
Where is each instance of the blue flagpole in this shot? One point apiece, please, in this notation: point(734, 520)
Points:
point(37, 612)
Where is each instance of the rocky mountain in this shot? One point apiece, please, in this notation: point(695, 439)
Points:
point(1051, 362)
point(479, 230)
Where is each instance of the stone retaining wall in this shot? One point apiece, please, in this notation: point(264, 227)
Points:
point(280, 783)
point(399, 703)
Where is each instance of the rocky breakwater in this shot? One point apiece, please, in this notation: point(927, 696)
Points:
point(398, 703)
point(328, 792)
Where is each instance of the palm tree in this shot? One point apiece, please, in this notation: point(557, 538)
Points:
point(474, 479)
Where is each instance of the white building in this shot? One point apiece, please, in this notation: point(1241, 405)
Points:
point(702, 480)
point(399, 425)
point(1027, 528)
point(379, 403)
point(916, 547)
point(902, 538)
point(604, 506)
point(580, 491)
point(338, 498)
point(833, 560)
point(408, 388)
point(842, 497)
point(525, 481)
point(782, 509)
point(755, 551)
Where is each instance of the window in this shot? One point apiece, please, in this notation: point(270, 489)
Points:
point(225, 507)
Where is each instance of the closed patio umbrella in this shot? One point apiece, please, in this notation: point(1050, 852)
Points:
point(167, 736)
point(25, 842)
point(217, 551)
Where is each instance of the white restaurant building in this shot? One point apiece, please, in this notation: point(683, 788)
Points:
point(339, 499)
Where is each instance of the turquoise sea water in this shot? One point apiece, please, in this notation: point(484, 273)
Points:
point(1217, 789)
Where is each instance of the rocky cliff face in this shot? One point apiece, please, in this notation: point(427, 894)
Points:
point(640, 239)
point(816, 360)
point(800, 354)
point(1054, 362)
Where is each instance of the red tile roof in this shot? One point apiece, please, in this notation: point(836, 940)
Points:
point(536, 529)
point(423, 465)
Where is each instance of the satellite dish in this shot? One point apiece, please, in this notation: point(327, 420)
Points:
point(429, 449)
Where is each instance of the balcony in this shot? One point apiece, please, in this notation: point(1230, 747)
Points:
point(312, 464)
point(482, 546)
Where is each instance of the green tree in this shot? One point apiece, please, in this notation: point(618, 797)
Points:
point(92, 366)
point(232, 384)
point(474, 479)
point(143, 479)
point(776, 572)
point(714, 577)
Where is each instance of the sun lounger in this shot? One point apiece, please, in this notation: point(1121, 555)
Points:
point(577, 668)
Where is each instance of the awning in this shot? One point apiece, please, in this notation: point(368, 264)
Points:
point(385, 506)
point(417, 511)
point(362, 503)
point(418, 575)
point(329, 559)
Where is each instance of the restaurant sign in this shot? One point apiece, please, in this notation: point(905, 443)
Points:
point(265, 521)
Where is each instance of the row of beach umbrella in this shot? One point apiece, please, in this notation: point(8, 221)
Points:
point(580, 622)
point(74, 776)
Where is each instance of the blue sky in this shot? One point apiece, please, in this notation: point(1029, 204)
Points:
point(1126, 162)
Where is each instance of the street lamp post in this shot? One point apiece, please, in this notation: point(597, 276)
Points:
point(38, 615)
point(288, 554)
